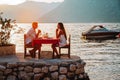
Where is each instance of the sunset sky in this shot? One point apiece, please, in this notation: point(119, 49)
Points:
point(61, 10)
point(15, 2)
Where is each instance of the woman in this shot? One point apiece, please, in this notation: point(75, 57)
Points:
point(61, 34)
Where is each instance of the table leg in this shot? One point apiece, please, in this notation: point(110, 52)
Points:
point(39, 54)
point(53, 55)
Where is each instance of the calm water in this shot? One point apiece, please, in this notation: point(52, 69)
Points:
point(102, 57)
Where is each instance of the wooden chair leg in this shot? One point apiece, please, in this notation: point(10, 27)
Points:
point(34, 55)
point(69, 52)
point(25, 52)
point(65, 54)
point(60, 52)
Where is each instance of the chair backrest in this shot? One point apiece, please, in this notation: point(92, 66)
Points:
point(24, 39)
point(69, 39)
point(66, 46)
point(27, 45)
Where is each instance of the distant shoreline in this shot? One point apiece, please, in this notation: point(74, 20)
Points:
point(74, 22)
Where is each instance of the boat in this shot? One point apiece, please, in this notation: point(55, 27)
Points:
point(118, 36)
point(99, 32)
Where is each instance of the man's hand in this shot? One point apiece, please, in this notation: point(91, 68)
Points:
point(39, 31)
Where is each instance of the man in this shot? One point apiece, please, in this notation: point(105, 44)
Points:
point(30, 36)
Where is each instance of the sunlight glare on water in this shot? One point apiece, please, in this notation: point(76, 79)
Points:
point(102, 58)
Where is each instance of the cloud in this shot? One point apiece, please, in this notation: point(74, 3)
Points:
point(11, 2)
point(47, 1)
point(16, 2)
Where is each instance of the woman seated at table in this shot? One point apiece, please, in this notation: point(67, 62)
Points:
point(61, 34)
point(31, 34)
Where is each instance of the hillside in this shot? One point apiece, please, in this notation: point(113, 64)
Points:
point(28, 11)
point(85, 11)
point(68, 11)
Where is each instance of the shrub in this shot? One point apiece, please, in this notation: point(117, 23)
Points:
point(5, 30)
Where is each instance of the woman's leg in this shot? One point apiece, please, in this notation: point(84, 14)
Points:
point(54, 49)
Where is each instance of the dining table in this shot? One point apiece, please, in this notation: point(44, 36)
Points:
point(48, 40)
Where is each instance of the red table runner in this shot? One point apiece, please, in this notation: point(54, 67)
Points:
point(45, 41)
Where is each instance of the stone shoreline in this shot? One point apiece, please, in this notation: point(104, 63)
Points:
point(44, 69)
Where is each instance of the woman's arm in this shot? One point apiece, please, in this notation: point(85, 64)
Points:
point(58, 33)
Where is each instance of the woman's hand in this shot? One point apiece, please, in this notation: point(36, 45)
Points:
point(57, 30)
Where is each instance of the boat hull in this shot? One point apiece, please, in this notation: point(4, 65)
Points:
point(101, 35)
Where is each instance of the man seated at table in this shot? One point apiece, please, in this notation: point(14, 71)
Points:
point(32, 34)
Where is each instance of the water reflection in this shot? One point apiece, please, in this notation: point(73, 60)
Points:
point(102, 57)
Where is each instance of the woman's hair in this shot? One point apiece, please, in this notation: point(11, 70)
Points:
point(62, 28)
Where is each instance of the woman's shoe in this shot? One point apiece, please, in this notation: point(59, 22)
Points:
point(58, 56)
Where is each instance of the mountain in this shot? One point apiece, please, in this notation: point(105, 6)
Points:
point(85, 11)
point(67, 11)
point(28, 11)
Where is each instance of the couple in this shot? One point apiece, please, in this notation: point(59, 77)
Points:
point(32, 34)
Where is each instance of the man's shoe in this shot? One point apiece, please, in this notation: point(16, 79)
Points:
point(31, 53)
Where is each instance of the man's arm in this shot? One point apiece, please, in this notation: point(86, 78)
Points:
point(37, 35)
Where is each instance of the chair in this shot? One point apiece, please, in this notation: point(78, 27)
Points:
point(28, 46)
point(67, 46)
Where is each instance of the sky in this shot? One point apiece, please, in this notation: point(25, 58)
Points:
point(16, 2)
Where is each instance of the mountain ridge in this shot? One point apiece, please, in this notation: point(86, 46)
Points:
point(69, 11)
point(28, 11)
point(85, 11)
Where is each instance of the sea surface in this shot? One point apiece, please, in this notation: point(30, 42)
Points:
point(102, 57)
